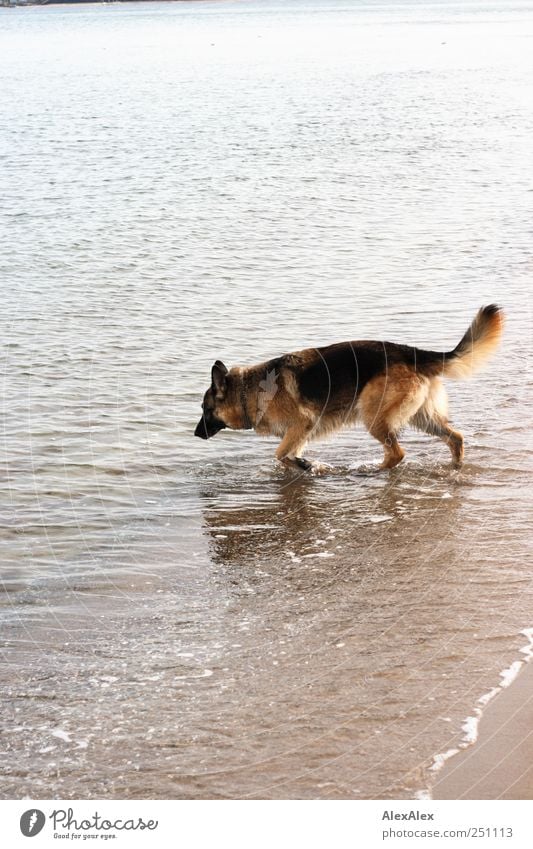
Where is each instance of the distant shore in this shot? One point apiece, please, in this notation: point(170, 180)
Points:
point(499, 765)
point(13, 3)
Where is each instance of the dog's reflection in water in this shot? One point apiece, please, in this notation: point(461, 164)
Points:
point(306, 529)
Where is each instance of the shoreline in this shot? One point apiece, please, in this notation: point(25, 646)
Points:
point(499, 764)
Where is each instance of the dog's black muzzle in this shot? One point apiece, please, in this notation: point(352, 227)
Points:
point(207, 427)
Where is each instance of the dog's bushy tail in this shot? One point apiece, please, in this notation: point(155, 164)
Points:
point(479, 342)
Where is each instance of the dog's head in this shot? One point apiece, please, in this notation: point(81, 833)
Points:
point(215, 404)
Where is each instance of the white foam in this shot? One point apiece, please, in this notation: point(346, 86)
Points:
point(484, 700)
point(470, 726)
point(62, 735)
point(423, 795)
point(440, 760)
point(470, 729)
point(508, 675)
point(528, 650)
point(320, 554)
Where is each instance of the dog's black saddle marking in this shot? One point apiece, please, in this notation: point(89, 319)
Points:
point(343, 370)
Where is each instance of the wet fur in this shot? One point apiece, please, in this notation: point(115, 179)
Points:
point(308, 394)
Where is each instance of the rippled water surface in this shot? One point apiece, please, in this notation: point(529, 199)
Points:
point(189, 181)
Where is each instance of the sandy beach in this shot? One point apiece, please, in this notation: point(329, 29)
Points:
point(500, 764)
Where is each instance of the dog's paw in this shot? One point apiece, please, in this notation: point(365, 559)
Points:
point(304, 464)
point(320, 468)
point(312, 468)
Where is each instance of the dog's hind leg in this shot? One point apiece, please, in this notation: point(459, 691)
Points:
point(387, 404)
point(432, 418)
point(437, 425)
point(394, 452)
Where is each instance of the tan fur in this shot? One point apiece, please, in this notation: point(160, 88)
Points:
point(482, 339)
point(387, 403)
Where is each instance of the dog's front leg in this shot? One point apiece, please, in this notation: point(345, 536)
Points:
point(290, 448)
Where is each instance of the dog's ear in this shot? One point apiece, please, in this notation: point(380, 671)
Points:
point(219, 378)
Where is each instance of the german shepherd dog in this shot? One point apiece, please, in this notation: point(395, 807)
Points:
point(308, 394)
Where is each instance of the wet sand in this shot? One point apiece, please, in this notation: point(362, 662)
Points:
point(500, 764)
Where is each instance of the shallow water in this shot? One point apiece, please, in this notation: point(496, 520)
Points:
point(185, 182)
